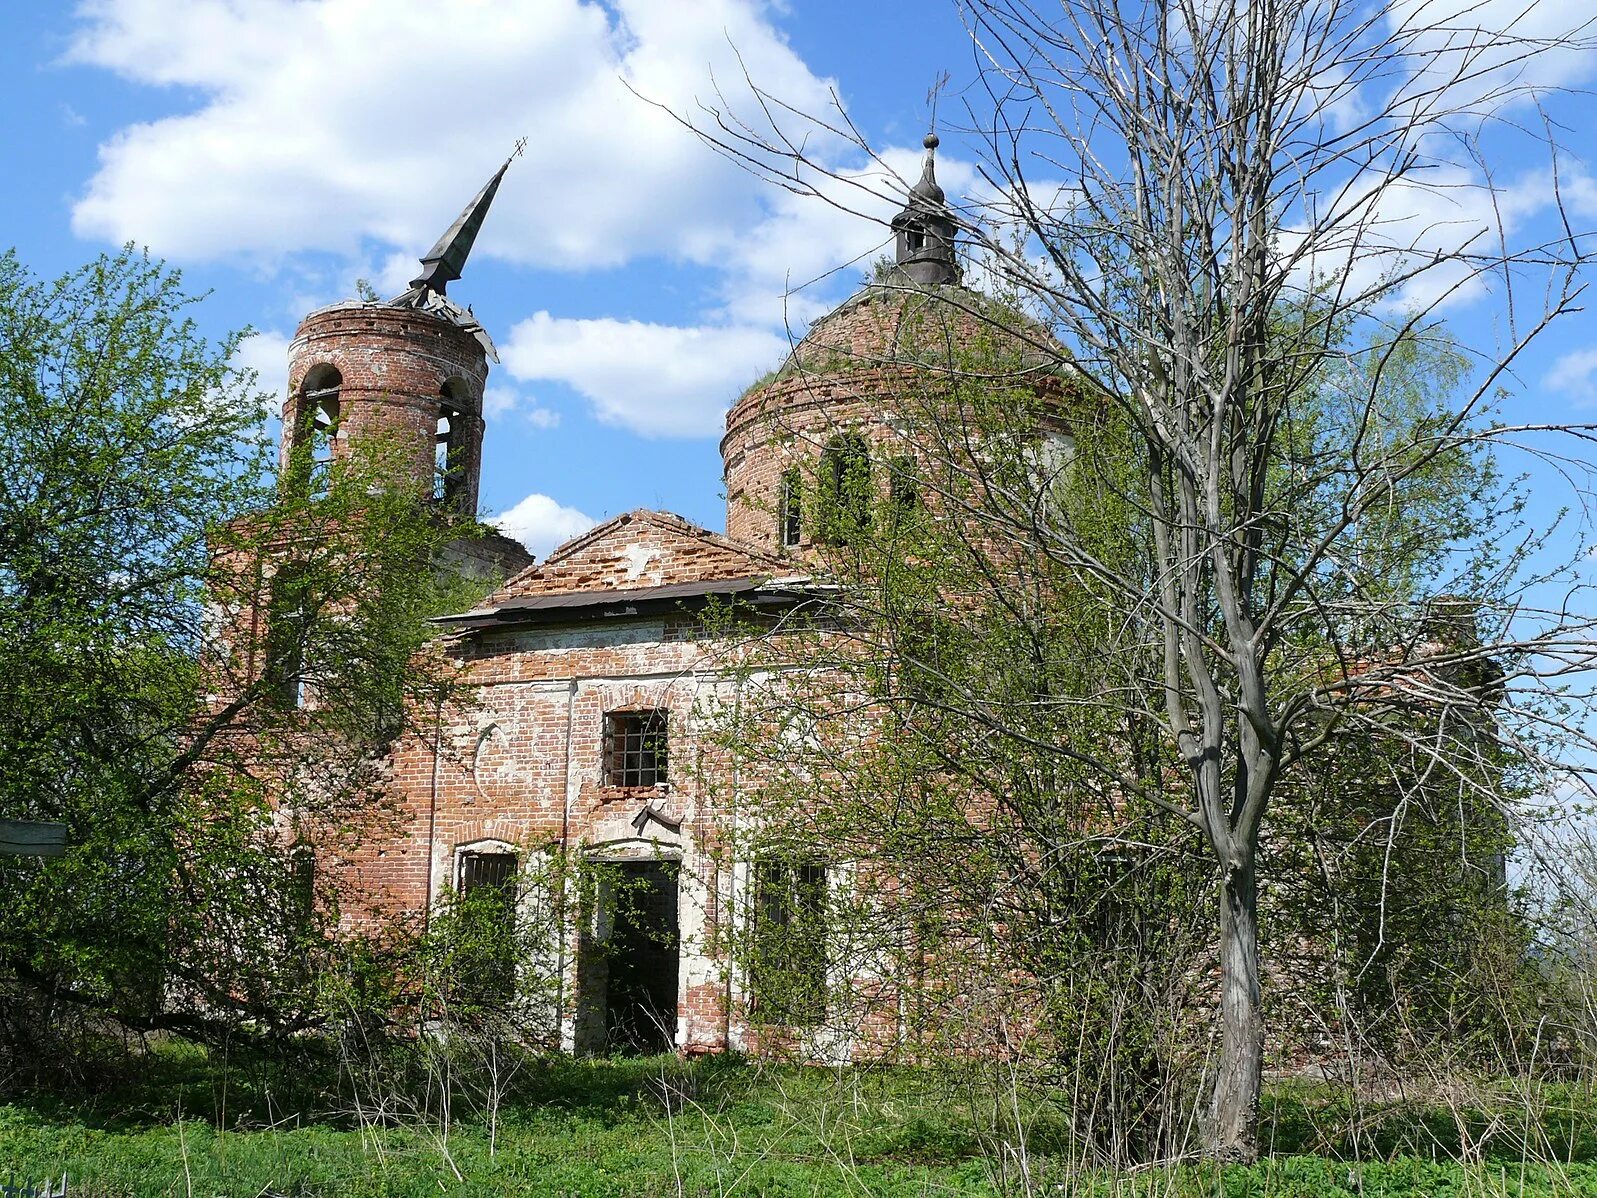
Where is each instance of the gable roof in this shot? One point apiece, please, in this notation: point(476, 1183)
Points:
point(637, 556)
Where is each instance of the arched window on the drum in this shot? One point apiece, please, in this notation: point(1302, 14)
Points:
point(845, 489)
point(789, 512)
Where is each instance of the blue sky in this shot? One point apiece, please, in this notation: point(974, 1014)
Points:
point(277, 150)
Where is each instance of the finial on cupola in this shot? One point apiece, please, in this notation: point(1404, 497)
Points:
point(924, 247)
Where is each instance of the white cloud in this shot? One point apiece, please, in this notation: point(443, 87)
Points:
point(1478, 54)
point(809, 250)
point(1444, 226)
point(500, 402)
point(497, 401)
point(659, 380)
point(1574, 376)
point(540, 523)
point(266, 353)
point(1579, 191)
point(327, 124)
point(357, 130)
point(777, 277)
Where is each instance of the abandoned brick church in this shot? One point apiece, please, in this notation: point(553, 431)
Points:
point(587, 668)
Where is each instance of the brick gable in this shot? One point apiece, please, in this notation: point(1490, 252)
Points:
point(637, 550)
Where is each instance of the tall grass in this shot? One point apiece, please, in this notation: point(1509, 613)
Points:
point(193, 1123)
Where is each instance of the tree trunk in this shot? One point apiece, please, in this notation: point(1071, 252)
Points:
point(1233, 1134)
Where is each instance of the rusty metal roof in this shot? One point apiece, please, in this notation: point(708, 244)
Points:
point(611, 603)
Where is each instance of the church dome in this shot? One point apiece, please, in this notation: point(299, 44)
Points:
point(851, 396)
point(924, 328)
point(853, 376)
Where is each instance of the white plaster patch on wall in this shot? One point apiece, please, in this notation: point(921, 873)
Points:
point(497, 761)
point(739, 888)
point(637, 558)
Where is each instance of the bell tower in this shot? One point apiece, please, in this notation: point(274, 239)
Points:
point(409, 371)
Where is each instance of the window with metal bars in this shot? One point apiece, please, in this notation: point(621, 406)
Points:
point(636, 748)
point(494, 870)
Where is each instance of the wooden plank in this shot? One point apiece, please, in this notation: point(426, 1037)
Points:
point(24, 838)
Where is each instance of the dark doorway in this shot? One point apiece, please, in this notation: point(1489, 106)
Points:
point(641, 997)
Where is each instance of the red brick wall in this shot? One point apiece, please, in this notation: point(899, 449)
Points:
point(394, 363)
point(522, 765)
point(786, 425)
point(854, 372)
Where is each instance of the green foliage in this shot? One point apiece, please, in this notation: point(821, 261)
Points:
point(126, 436)
point(195, 756)
point(488, 960)
point(973, 724)
point(941, 734)
point(628, 954)
point(1391, 905)
point(238, 1124)
point(784, 943)
point(842, 500)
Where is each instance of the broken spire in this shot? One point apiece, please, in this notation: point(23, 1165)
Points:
point(444, 262)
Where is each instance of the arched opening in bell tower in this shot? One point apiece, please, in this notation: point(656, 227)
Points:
point(449, 440)
point(316, 416)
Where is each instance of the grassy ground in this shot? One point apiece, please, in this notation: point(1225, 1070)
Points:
point(185, 1125)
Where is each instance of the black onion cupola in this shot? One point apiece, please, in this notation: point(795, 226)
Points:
point(924, 230)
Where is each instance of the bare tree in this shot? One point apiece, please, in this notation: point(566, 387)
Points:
point(1218, 210)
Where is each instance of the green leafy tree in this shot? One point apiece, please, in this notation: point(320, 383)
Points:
point(972, 719)
point(202, 759)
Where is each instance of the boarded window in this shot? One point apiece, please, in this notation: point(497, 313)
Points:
point(788, 970)
point(488, 871)
point(636, 748)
